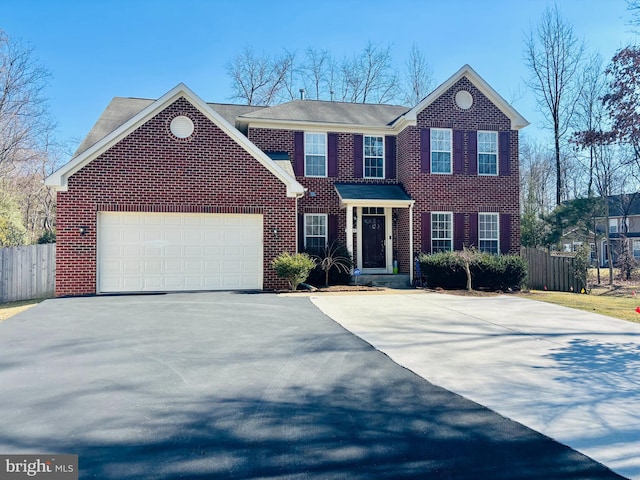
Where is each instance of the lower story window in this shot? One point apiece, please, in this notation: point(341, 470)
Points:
point(441, 232)
point(488, 232)
point(636, 249)
point(315, 231)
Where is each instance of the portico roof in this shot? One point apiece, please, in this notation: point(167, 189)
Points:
point(373, 195)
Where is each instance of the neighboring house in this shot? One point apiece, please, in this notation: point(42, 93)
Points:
point(179, 194)
point(623, 226)
point(573, 239)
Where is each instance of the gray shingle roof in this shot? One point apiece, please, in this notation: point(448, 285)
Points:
point(368, 191)
point(121, 109)
point(330, 112)
point(629, 202)
point(117, 113)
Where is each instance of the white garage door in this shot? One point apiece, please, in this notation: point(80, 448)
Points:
point(149, 252)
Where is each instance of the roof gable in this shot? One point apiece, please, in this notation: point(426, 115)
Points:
point(517, 120)
point(94, 147)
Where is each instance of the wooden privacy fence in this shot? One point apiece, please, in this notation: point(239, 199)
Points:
point(27, 272)
point(556, 273)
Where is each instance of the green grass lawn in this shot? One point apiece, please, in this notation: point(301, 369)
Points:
point(620, 305)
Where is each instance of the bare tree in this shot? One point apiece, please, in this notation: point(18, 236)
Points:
point(258, 80)
point(315, 73)
point(23, 116)
point(610, 178)
point(590, 114)
point(418, 79)
point(369, 76)
point(554, 55)
point(536, 191)
point(26, 206)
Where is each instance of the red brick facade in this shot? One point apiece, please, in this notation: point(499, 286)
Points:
point(152, 171)
point(464, 193)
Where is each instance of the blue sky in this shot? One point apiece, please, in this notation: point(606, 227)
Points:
point(97, 49)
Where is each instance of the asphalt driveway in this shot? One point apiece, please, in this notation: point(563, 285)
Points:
point(224, 385)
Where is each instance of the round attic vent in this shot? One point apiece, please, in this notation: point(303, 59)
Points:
point(181, 126)
point(464, 99)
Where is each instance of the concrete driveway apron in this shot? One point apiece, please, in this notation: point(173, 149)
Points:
point(568, 374)
point(225, 385)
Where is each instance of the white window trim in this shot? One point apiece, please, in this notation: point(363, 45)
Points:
point(431, 150)
point(326, 227)
point(489, 153)
point(326, 155)
point(497, 215)
point(450, 238)
point(364, 158)
point(633, 241)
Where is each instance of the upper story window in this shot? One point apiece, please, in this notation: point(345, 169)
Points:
point(616, 225)
point(488, 233)
point(373, 157)
point(441, 150)
point(487, 153)
point(315, 154)
point(441, 232)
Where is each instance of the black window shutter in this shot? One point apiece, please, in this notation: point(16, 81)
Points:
point(332, 154)
point(458, 231)
point(458, 151)
point(505, 233)
point(298, 153)
point(504, 160)
point(426, 232)
point(425, 150)
point(357, 156)
point(300, 233)
point(333, 228)
point(472, 137)
point(390, 154)
point(473, 230)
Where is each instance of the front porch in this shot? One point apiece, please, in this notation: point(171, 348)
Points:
point(378, 229)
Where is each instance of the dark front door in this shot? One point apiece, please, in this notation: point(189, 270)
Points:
point(373, 245)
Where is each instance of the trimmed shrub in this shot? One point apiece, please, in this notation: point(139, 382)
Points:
point(293, 268)
point(492, 272)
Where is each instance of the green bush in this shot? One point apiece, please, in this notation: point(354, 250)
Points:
point(492, 272)
point(47, 237)
point(293, 268)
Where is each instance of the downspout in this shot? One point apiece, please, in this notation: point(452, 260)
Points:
point(295, 222)
point(411, 279)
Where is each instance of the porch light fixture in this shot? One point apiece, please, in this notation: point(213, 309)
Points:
point(83, 231)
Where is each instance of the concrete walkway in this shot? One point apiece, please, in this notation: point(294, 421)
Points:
point(568, 374)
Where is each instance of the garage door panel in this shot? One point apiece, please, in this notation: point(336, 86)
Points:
point(165, 252)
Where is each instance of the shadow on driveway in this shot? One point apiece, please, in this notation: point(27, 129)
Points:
point(215, 385)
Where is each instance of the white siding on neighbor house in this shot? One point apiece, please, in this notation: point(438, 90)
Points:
point(142, 252)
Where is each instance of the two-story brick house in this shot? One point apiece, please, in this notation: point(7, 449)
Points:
point(179, 194)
